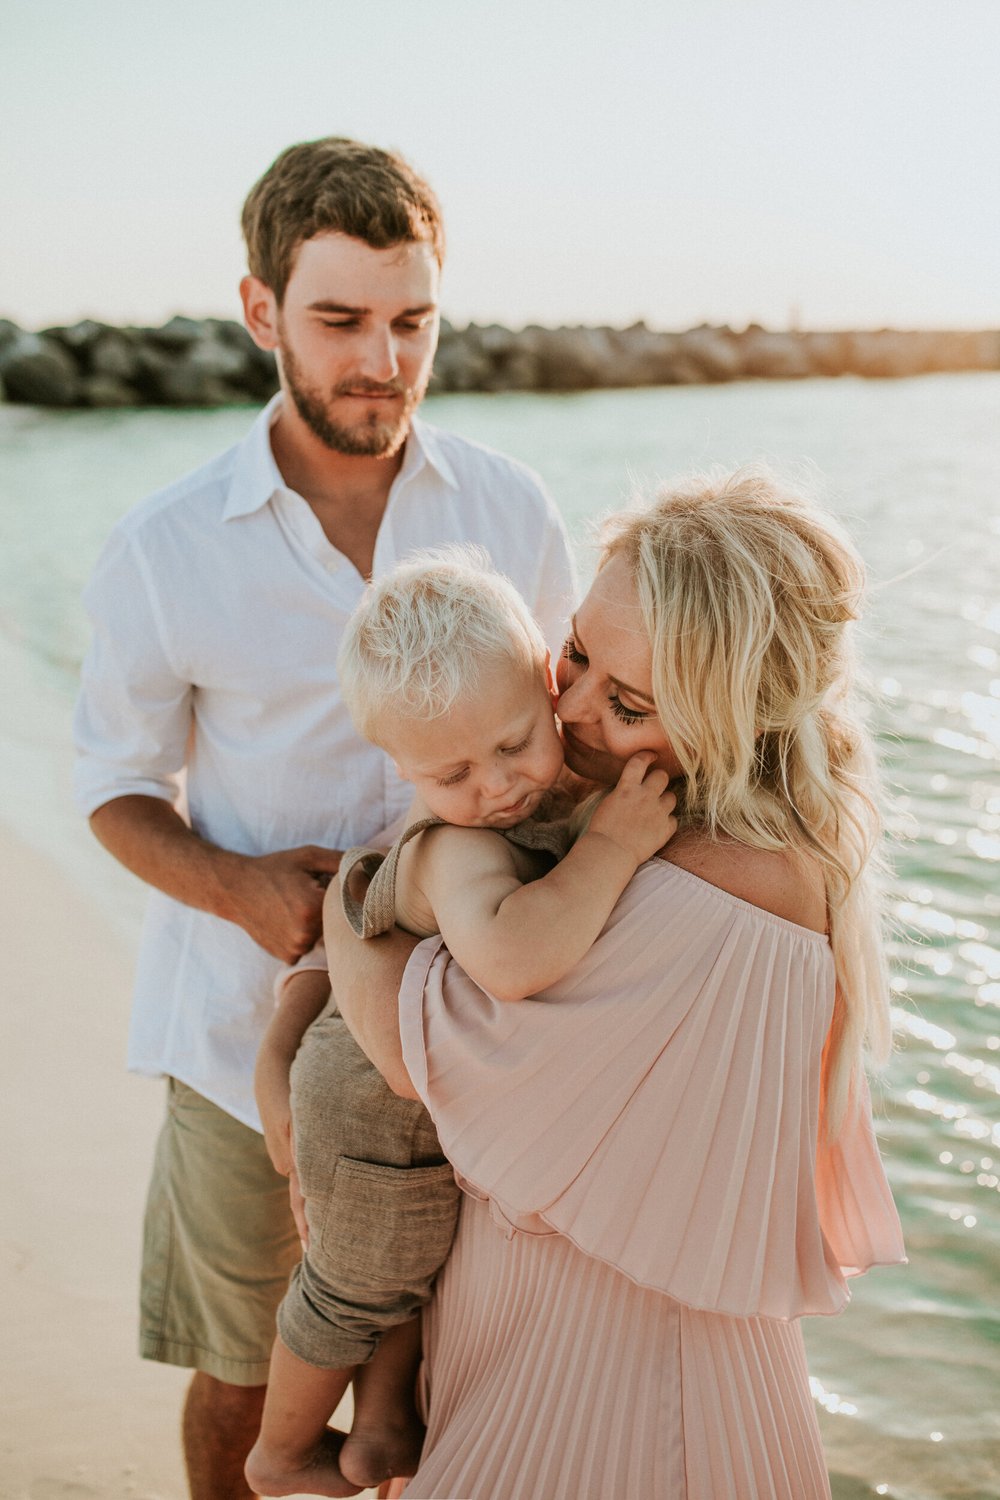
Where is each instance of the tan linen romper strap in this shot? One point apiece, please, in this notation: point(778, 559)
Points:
point(377, 914)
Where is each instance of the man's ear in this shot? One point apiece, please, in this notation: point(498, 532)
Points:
point(260, 312)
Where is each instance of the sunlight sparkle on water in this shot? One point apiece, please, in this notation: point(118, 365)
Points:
point(830, 1401)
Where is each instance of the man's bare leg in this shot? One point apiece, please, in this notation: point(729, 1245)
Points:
point(387, 1434)
point(219, 1426)
point(296, 1453)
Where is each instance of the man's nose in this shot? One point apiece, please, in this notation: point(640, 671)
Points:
point(380, 359)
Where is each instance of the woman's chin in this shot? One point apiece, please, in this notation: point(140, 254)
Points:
point(591, 765)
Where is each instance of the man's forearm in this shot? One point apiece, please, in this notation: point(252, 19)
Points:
point(149, 837)
point(276, 898)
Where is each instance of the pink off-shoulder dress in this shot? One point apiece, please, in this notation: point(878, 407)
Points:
point(647, 1214)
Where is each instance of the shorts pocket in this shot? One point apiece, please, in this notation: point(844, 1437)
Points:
point(389, 1226)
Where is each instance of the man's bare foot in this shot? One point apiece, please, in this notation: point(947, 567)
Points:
point(319, 1473)
point(373, 1454)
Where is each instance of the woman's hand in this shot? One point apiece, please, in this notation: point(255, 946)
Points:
point(638, 815)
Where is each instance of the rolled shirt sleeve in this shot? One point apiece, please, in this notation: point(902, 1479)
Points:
point(133, 715)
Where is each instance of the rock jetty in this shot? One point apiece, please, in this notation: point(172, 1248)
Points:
point(211, 362)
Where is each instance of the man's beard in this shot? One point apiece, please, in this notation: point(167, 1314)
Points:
point(375, 436)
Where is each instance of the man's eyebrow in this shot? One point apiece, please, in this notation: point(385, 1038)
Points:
point(344, 310)
point(336, 307)
point(622, 686)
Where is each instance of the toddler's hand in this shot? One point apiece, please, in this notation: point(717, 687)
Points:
point(638, 815)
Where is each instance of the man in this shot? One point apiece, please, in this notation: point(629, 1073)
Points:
point(217, 608)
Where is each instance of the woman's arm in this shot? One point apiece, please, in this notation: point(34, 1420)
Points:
point(367, 974)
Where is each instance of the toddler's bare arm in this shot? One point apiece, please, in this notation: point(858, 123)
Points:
point(515, 939)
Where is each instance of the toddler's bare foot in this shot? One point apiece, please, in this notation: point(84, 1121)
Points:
point(373, 1454)
point(270, 1472)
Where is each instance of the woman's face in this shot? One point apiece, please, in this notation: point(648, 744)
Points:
point(605, 680)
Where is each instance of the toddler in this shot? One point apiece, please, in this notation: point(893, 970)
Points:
point(445, 669)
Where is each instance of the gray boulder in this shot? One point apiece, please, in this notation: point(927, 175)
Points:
point(38, 370)
point(179, 333)
point(105, 390)
point(774, 356)
point(113, 355)
point(570, 359)
point(712, 351)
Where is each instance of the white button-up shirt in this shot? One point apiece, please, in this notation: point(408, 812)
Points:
point(218, 607)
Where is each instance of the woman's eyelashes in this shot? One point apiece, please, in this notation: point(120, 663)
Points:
point(572, 652)
point(625, 714)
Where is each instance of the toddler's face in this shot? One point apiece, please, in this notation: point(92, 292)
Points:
point(488, 762)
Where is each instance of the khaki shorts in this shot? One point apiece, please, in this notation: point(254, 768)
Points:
point(381, 1203)
point(219, 1244)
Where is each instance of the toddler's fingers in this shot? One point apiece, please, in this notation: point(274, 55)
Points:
point(637, 765)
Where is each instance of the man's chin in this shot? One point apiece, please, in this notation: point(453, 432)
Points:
point(364, 439)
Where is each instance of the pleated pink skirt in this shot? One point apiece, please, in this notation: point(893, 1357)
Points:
point(550, 1376)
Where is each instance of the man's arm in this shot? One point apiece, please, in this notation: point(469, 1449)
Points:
point(132, 726)
point(366, 975)
point(276, 898)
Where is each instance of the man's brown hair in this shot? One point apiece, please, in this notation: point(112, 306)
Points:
point(335, 185)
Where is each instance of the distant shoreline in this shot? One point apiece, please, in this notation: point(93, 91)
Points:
point(214, 362)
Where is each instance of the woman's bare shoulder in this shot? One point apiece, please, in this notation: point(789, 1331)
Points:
point(785, 882)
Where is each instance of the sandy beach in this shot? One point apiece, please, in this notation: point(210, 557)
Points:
point(82, 1414)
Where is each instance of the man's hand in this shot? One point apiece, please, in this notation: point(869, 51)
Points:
point(278, 898)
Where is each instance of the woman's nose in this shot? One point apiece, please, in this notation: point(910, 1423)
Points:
point(572, 705)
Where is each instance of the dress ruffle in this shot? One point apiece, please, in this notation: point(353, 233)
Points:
point(659, 1107)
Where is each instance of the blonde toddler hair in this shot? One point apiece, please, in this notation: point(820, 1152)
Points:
point(422, 635)
point(748, 592)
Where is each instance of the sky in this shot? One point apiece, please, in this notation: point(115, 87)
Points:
point(825, 163)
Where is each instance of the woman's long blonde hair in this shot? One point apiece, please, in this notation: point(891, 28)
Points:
point(748, 592)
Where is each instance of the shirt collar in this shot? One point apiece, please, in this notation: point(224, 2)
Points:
point(256, 476)
point(424, 446)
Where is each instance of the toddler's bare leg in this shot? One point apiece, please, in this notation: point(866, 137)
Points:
point(387, 1434)
point(296, 1452)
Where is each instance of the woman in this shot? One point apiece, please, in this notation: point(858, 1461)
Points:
point(669, 1159)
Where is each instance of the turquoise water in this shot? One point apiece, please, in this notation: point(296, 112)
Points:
point(908, 1379)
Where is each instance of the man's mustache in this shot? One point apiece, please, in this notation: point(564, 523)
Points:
point(370, 388)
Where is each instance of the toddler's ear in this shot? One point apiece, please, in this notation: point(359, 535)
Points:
point(550, 677)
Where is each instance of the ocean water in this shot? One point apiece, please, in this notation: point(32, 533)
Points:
point(908, 1380)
